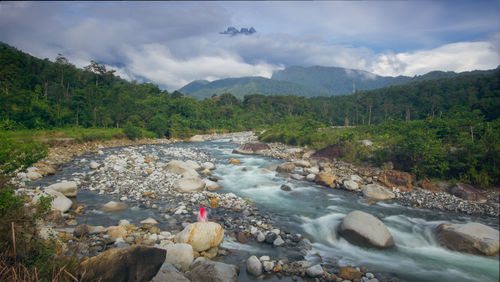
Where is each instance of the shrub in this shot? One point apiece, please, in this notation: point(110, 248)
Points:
point(131, 131)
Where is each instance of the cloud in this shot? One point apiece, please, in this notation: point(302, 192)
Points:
point(173, 43)
point(461, 56)
point(156, 63)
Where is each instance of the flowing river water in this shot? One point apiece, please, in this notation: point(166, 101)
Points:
point(315, 212)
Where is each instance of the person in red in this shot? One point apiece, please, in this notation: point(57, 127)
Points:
point(202, 215)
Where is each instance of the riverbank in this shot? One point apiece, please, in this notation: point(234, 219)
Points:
point(138, 177)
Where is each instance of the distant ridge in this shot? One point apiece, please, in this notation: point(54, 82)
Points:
point(308, 82)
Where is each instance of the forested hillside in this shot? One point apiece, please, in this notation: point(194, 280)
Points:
point(446, 128)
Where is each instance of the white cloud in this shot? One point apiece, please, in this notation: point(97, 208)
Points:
point(156, 63)
point(461, 56)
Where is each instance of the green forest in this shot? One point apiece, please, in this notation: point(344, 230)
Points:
point(441, 128)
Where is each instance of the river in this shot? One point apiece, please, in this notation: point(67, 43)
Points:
point(315, 212)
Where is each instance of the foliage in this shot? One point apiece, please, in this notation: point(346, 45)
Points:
point(131, 131)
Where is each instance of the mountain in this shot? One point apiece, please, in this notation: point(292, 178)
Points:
point(308, 82)
point(242, 86)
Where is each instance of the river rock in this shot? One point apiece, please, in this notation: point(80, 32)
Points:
point(472, 237)
point(356, 178)
point(134, 263)
point(302, 163)
point(148, 222)
point(115, 232)
point(330, 152)
point(278, 242)
point(467, 192)
point(251, 148)
point(214, 271)
point(168, 272)
point(270, 237)
point(311, 177)
point(351, 185)
point(212, 185)
point(397, 179)
point(349, 273)
point(181, 254)
point(46, 170)
point(113, 206)
point(254, 266)
point(94, 165)
point(234, 161)
point(287, 167)
point(312, 170)
point(33, 175)
point(192, 164)
point(197, 138)
point(59, 201)
point(68, 188)
point(297, 176)
point(208, 165)
point(325, 179)
point(186, 185)
point(285, 187)
point(377, 192)
point(315, 271)
point(267, 265)
point(260, 237)
point(364, 229)
point(201, 235)
point(180, 167)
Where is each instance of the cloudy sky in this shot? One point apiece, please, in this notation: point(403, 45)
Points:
point(174, 43)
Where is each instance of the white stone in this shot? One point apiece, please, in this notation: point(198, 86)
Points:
point(268, 265)
point(149, 221)
point(254, 266)
point(180, 167)
point(356, 178)
point(351, 185)
point(278, 242)
point(194, 165)
point(311, 177)
point(364, 229)
point(113, 206)
point(315, 271)
point(201, 235)
point(377, 192)
point(33, 175)
point(208, 165)
point(312, 170)
point(180, 253)
point(67, 188)
point(186, 185)
point(94, 165)
point(59, 202)
point(212, 185)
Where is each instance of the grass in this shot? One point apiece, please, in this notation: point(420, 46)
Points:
point(76, 133)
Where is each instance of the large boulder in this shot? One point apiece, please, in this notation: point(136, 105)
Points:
point(113, 206)
point(201, 235)
point(214, 271)
point(474, 238)
point(180, 167)
point(251, 148)
point(68, 188)
point(377, 192)
point(287, 167)
point(212, 185)
point(193, 164)
point(467, 192)
point(134, 263)
point(186, 185)
point(397, 179)
point(351, 185)
point(59, 201)
point(254, 266)
point(365, 230)
point(325, 179)
point(181, 254)
point(168, 272)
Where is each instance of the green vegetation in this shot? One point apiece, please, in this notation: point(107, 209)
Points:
point(441, 125)
point(23, 256)
point(460, 148)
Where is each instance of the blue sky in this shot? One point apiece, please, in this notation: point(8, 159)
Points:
point(173, 43)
